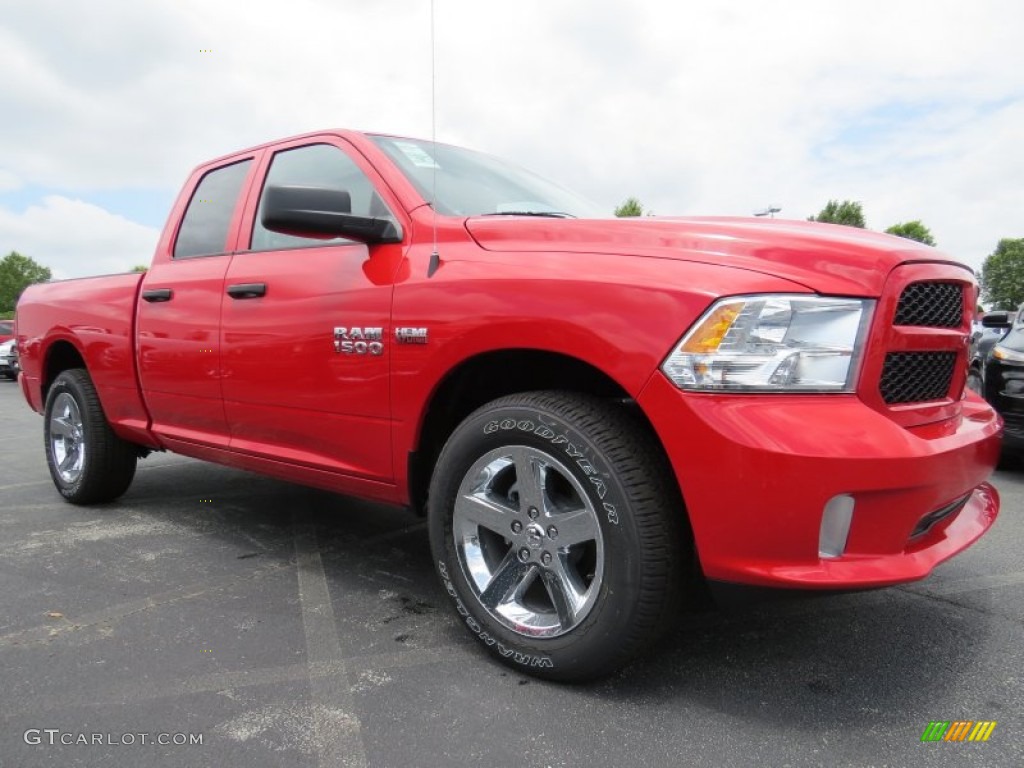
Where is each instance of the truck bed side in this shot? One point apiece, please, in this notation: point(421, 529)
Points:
point(89, 322)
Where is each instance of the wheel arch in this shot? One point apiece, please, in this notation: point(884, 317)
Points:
point(489, 375)
point(61, 355)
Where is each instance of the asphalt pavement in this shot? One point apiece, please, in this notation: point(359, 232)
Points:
point(282, 626)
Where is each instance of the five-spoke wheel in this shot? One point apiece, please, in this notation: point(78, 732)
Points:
point(528, 536)
point(67, 438)
point(559, 532)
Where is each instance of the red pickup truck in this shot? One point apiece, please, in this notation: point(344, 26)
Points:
point(593, 414)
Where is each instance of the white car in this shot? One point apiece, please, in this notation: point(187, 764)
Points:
point(9, 360)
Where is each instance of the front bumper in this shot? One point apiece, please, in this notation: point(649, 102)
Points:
point(757, 471)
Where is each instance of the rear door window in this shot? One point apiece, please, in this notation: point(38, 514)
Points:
point(204, 230)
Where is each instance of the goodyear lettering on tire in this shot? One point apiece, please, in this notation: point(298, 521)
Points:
point(546, 432)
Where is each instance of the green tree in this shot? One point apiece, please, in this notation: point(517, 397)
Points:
point(1002, 275)
point(912, 230)
point(631, 207)
point(140, 268)
point(848, 212)
point(17, 272)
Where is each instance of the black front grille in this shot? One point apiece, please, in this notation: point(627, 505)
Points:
point(1014, 424)
point(935, 305)
point(914, 377)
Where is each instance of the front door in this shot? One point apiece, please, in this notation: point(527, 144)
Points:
point(305, 334)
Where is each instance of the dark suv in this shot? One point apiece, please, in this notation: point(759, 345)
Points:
point(1003, 381)
point(985, 334)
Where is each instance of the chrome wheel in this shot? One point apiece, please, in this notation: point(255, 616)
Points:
point(528, 540)
point(67, 438)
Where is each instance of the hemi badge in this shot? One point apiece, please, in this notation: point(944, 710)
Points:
point(411, 335)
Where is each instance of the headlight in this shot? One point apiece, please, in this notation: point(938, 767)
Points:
point(1005, 353)
point(773, 343)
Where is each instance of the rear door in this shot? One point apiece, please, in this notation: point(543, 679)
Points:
point(178, 316)
point(305, 327)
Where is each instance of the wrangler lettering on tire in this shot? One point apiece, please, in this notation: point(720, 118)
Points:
point(558, 533)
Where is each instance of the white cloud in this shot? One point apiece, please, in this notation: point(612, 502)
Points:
point(912, 107)
point(74, 238)
point(8, 181)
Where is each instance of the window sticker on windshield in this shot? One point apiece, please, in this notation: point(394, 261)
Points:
point(527, 206)
point(417, 155)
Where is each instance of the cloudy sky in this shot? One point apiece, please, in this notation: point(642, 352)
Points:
point(913, 107)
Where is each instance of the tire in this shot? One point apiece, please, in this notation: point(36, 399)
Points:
point(87, 461)
point(571, 576)
point(974, 382)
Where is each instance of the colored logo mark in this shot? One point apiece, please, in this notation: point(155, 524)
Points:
point(958, 730)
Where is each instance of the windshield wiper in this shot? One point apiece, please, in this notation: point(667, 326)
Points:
point(546, 214)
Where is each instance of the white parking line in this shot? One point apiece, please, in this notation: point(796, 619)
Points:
point(44, 633)
point(338, 732)
point(131, 693)
point(137, 692)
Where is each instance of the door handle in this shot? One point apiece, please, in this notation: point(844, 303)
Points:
point(158, 294)
point(247, 290)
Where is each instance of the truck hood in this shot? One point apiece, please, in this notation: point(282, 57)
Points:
point(825, 258)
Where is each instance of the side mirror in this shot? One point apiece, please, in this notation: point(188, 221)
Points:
point(996, 320)
point(322, 212)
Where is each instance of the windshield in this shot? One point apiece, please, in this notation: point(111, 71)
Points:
point(473, 184)
point(1015, 339)
point(6, 327)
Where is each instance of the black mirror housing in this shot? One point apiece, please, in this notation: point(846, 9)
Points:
point(996, 320)
point(322, 212)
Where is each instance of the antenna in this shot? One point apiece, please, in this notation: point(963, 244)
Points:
point(435, 257)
